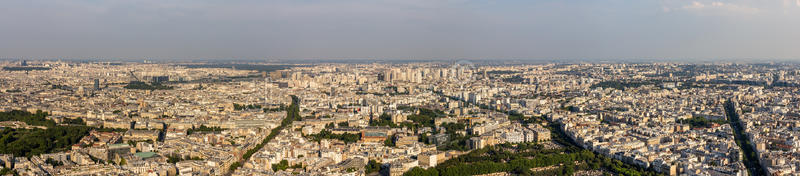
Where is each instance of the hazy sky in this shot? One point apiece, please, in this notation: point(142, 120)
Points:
point(401, 29)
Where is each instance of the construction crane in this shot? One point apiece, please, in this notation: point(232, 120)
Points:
point(134, 76)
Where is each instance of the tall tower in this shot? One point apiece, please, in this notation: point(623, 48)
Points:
point(96, 84)
point(266, 90)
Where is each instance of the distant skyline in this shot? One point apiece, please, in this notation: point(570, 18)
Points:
point(617, 30)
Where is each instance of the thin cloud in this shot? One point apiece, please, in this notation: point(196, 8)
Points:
point(717, 7)
point(694, 5)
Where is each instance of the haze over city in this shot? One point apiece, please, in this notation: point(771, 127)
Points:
point(402, 29)
point(400, 88)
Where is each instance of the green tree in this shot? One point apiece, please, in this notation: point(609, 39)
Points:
point(29, 142)
point(389, 142)
point(282, 165)
point(372, 167)
point(417, 171)
point(234, 166)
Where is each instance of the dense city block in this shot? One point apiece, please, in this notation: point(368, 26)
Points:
point(411, 118)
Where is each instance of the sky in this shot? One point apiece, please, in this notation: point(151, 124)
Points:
point(402, 29)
